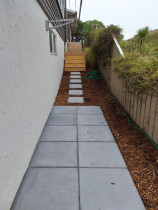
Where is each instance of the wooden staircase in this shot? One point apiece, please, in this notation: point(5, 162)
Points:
point(75, 58)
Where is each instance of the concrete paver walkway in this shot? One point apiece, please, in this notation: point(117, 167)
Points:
point(77, 166)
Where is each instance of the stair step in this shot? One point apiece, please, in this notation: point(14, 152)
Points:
point(67, 65)
point(74, 53)
point(75, 44)
point(71, 51)
point(75, 47)
point(75, 61)
point(75, 50)
point(75, 69)
point(74, 57)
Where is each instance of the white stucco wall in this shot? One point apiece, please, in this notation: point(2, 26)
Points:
point(29, 80)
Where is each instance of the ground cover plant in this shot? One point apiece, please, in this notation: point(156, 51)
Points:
point(144, 42)
point(138, 72)
point(139, 68)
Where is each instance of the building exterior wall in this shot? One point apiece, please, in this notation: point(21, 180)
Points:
point(142, 109)
point(29, 80)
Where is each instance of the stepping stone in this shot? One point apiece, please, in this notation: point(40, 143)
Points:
point(95, 133)
point(77, 72)
point(75, 77)
point(75, 92)
point(75, 100)
point(75, 80)
point(59, 133)
point(77, 86)
point(55, 154)
point(100, 154)
point(109, 188)
point(64, 110)
point(89, 110)
point(47, 189)
point(91, 120)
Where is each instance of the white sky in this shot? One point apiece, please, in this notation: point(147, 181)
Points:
point(130, 15)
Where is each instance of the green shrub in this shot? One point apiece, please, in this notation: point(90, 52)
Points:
point(145, 42)
point(155, 51)
point(115, 30)
point(102, 45)
point(138, 72)
point(90, 57)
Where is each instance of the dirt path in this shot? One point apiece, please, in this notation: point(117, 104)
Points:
point(139, 154)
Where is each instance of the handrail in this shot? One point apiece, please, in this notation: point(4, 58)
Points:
point(118, 46)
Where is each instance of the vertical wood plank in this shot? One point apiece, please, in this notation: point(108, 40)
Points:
point(152, 116)
point(138, 109)
point(127, 100)
point(147, 113)
point(135, 105)
point(132, 103)
point(142, 112)
point(155, 131)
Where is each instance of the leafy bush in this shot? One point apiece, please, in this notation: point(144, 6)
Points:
point(142, 34)
point(90, 26)
point(90, 57)
point(102, 45)
point(155, 51)
point(145, 42)
point(115, 30)
point(138, 72)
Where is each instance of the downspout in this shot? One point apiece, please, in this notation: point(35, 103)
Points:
point(66, 48)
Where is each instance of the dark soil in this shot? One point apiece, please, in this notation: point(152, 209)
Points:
point(139, 154)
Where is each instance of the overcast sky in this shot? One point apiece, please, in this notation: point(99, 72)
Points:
point(130, 15)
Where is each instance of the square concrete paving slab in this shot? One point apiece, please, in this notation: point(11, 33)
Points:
point(55, 154)
point(77, 72)
point(75, 80)
point(59, 133)
point(76, 86)
point(108, 189)
point(95, 133)
point(61, 119)
point(75, 92)
point(89, 110)
point(91, 120)
point(100, 154)
point(48, 189)
point(75, 77)
point(64, 110)
point(75, 100)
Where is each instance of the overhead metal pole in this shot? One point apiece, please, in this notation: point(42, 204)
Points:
point(80, 9)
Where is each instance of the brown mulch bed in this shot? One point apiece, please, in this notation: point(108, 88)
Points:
point(139, 154)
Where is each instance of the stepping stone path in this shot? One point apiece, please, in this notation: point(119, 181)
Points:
point(75, 84)
point(75, 77)
point(75, 100)
point(77, 165)
point(75, 92)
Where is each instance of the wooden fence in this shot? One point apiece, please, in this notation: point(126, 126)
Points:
point(142, 109)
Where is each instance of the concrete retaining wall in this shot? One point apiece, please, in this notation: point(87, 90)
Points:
point(29, 81)
point(142, 109)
